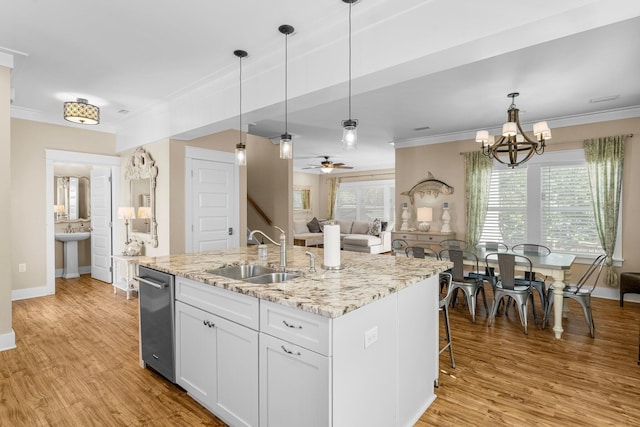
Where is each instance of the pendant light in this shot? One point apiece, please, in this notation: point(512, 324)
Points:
point(241, 148)
point(350, 126)
point(286, 144)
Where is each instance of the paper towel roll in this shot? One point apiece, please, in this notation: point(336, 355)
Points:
point(332, 245)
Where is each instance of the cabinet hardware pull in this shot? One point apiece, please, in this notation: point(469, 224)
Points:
point(206, 323)
point(297, 353)
point(291, 326)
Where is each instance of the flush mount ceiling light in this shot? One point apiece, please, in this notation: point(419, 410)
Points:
point(350, 126)
point(80, 111)
point(286, 145)
point(514, 147)
point(241, 148)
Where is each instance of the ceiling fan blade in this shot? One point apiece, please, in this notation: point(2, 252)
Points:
point(313, 167)
point(337, 165)
point(343, 167)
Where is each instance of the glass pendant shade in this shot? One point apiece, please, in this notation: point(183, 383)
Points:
point(286, 147)
point(241, 154)
point(349, 134)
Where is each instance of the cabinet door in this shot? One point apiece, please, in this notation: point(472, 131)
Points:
point(195, 345)
point(218, 364)
point(294, 385)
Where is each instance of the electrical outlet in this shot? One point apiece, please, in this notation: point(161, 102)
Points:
point(22, 268)
point(370, 336)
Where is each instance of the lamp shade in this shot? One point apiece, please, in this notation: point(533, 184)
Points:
point(509, 129)
point(58, 208)
point(482, 136)
point(80, 111)
point(424, 214)
point(144, 212)
point(126, 212)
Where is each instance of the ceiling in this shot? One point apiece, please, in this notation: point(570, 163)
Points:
point(422, 71)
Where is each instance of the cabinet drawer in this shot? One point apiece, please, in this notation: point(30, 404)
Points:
point(429, 238)
point(299, 327)
point(233, 306)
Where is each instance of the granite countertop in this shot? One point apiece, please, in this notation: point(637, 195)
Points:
point(363, 279)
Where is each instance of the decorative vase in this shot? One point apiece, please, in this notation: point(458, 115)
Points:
point(406, 216)
point(446, 217)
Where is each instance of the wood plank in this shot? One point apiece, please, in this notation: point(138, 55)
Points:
point(76, 364)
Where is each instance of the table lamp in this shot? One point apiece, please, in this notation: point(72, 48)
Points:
point(424, 216)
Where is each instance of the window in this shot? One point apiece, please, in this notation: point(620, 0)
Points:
point(366, 200)
point(547, 201)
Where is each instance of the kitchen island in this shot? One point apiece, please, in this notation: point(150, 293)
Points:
point(356, 346)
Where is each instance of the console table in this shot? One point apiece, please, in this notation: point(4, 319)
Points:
point(125, 269)
point(431, 239)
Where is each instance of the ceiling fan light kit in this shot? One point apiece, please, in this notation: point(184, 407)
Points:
point(81, 112)
point(350, 126)
point(514, 147)
point(327, 166)
point(241, 148)
point(286, 145)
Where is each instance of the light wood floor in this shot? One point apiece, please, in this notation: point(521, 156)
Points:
point(76, 365)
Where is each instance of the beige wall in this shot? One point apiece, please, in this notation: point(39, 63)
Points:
point(7, 268)
point(28, 190)
point(311, 180)
point(169, 157)
point(270, 185)
point(446, 163)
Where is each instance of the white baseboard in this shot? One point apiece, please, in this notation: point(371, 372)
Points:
point(8, 341)
point(38, 291)
point(614, 293)
point(86, 269)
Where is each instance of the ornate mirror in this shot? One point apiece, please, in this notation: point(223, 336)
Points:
point(141, 173)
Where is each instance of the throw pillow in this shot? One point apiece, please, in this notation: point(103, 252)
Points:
point(375, 227)
point(384, 225)
point(314, 226)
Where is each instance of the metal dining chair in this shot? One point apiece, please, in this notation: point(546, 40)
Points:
point(444, 309)
point(538, 283)
point(581, 292)
point(506, 285)
point(488, 273)
point(420, 252)
point(398, 245)
point(470, 286)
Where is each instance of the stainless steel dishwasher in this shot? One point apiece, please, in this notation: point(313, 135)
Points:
point(156, 298)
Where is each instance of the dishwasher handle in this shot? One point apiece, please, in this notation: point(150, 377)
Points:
point(157, 285)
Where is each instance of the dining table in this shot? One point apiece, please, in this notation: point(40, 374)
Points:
point(554, 265)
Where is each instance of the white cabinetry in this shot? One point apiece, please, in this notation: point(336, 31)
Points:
point(217, 359)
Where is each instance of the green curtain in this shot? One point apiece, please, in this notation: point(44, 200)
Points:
point(305, 195)
point(605, 157)
point(477, 184)
point(333, 184)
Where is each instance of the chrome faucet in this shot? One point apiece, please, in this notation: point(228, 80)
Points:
point(282, 244)
point(69, 229)
point(312, 261)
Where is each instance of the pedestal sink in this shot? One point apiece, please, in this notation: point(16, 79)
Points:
point(71, 252)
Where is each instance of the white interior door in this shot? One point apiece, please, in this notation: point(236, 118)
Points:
point(214, 204)
point(101, 224)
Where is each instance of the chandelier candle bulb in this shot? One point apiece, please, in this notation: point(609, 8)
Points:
point(332, 247)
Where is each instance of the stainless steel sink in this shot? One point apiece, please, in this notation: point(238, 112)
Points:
point(242, 272)
point(264, 279)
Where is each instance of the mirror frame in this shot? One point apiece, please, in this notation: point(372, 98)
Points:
point(303, 188)
point(141, 166)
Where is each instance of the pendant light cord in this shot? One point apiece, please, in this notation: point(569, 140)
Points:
point(286, 79)
point(240, 115)
point(350, 5)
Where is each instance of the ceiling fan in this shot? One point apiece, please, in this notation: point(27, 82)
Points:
point(326, 166)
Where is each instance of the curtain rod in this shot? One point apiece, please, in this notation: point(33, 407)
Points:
point(629, 135)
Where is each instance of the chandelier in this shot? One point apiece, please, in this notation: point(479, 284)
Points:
point(514, 147)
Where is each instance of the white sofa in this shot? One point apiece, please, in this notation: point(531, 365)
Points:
point(353, 236)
